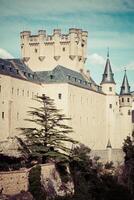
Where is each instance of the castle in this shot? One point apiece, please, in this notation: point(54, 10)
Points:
point(54, 65)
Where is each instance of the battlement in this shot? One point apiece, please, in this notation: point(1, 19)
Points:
point(77, 34)
point(48, 50)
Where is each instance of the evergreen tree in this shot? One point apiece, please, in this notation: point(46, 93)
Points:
point(50, 133)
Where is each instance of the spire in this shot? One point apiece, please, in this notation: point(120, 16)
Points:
point(108, 76)
point(125, 88)
point(109, 144)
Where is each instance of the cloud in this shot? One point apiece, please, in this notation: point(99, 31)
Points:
point(5, 54)
point(96, 59)
point(130, 66)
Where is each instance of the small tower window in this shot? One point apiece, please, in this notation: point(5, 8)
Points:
point(110, 105)
point(22, 92)
point(3, 115)
point(35, 50)
point(128, 100)
point(59, 95)
point(0, 88)
point(110, 89)
point(63, 49)
point(122, 99)
point(17, 116)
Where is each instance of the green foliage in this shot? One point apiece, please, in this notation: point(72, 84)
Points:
point(50, 132)
point(128, 172)
point(35, 186)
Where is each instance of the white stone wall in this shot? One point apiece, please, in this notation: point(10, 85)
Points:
point(16, 98)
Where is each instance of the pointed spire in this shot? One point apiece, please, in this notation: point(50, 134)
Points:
point(108, 76)
point(125, 88)
point(109, 144)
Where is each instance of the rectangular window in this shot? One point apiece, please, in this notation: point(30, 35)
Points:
point(17, 91)
point(129, 112)
point(3, 115)
point(27, 93)
point(128, 100)
point(12, 90)
point(59, 95)
point(110, 89)
point(0, 88)
point(22, 92)
point(122, 99)
point(17, 116)
point(110, 105)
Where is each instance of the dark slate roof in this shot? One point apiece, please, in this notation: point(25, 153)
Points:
point(17, 68)
point(108, 76)
point(62, 74)
point(125, 88)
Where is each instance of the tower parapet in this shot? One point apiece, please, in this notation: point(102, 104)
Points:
point(44, 52)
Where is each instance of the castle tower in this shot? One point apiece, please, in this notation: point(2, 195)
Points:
point(125, 108)
point(43, 52)
point(108, 87)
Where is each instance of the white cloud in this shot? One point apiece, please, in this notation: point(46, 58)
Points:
point(5, 54)
point(96, 59)
point(130, 66)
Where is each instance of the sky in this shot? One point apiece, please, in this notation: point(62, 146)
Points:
point(110, 23)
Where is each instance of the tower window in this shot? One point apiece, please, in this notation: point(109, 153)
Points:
point(63, 49)
point(51, 76)
point(122, 99)
point(35, 50)
point(22, 92)
point(0, 88)
point(59, 95)
point(110, 89)
point(110, 105)
point(27, 93)
point(128, 100)
point(3, 115)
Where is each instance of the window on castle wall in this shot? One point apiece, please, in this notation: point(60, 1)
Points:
point(22, 92)
point(59, 95)
point(122, 99)
point(3, 115)
point(17, 91)
point(82, 45)
point(12, 90)
point(17, 116)
point(129, 112)
point(0, 88)
point(110, 89)
point(128, 100)
point(63, 49)
point(110, 105)
point(27, 93)
point(35, 50)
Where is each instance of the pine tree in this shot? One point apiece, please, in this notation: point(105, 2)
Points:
point(50, 132)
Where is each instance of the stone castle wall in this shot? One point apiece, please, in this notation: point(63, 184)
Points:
point(14, 182)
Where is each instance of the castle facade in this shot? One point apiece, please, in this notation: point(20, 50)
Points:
point(54, 65)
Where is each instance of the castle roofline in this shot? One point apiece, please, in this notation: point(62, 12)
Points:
point(125, 88)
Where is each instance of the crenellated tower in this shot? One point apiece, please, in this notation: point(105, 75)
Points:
point(43, 52)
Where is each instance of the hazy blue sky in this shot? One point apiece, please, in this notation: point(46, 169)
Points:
point(110, 23)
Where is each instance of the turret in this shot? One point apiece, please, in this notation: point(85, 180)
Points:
point(126, 108)
point(125, 94)
point(108, 83)
point(25, 35)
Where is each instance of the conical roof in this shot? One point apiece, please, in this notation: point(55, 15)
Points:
point(109, 144)
point(125, 88)
point(108, 76)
